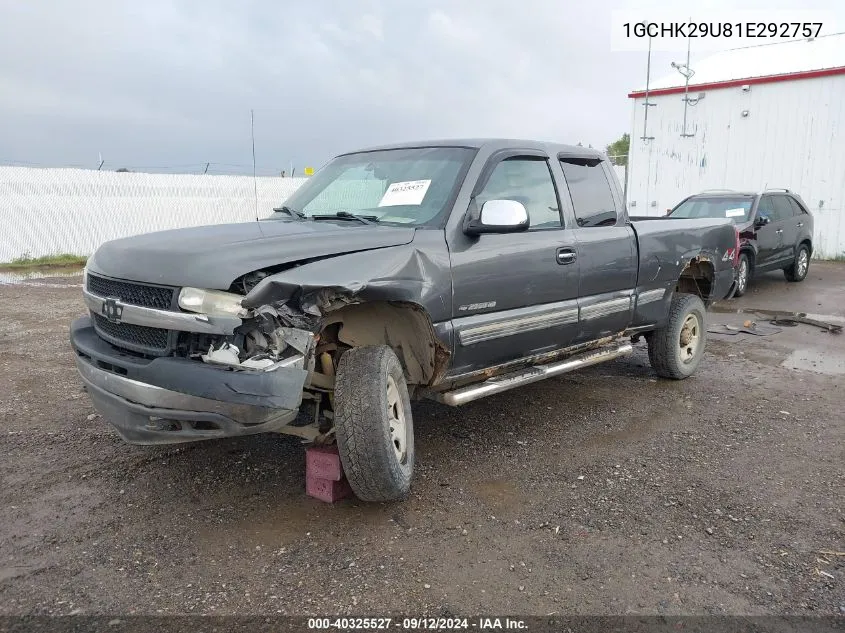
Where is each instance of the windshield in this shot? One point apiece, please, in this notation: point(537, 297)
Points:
point(737, 209)
point(397, 186)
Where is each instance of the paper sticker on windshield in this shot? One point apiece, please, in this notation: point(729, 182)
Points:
point(734, 213)
point(408, 192)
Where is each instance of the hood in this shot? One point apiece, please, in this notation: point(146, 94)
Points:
point(214, 256)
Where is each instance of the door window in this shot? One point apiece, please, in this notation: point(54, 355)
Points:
point(796, 208)
point(766, 209)
point(783, 210)
point(529, 181)
point(591, 196)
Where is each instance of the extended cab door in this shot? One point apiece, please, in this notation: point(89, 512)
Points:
point(516, 294)
point(606, 245)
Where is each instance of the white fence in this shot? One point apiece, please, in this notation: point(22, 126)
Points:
point(50, 211)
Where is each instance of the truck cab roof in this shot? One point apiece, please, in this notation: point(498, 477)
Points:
point(493, 144)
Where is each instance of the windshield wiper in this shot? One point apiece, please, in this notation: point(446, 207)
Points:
point(345, 215)
point(291, 212)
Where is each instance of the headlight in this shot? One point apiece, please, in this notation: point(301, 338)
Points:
point(211, 302)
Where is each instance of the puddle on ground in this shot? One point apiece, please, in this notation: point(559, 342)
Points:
point(499, 494)
point(819, 361)
point(41, 277)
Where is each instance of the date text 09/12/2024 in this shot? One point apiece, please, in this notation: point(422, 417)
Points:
point(419, 623)
point(781, 30)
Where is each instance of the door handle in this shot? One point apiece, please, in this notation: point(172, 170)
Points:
point(566, 256)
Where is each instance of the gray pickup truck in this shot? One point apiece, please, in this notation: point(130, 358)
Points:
point(451, 270)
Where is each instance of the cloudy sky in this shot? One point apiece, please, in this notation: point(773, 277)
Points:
point(167, 85)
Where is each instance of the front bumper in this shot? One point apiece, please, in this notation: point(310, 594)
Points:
point(170, 400)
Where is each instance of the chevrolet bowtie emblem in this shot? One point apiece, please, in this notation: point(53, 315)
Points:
point(112, 310)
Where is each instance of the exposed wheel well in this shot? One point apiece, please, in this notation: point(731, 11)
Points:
point(404, 327)
point(697, 278)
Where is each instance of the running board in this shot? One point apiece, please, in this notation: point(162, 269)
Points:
point(526, 376)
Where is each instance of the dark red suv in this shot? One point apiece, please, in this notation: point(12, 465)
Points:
point(775, 229)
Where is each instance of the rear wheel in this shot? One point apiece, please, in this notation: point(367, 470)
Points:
point(743, 273)
point(373, 423)
point(676, 349)
point(800, 267)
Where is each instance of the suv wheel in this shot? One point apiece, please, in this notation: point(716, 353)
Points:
point(743, 273)
point(373, 423)
point(675, 350)
point(800, 267)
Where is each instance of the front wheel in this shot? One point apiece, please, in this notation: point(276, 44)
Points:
point(800, 267)
point(373, 423)
point(743, 272)
point(675, 350)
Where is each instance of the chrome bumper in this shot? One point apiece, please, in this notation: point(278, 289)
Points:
point(191, 400)
point(146, 414)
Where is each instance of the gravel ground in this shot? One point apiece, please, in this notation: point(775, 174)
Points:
point(601, 492)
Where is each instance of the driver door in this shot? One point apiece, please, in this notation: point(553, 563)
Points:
point(515, 294)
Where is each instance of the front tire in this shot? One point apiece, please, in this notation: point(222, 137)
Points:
point(676, 349)
point(373, 423)
point(743, 274)
point(800, 267)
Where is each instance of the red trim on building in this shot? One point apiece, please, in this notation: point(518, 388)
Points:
point(731, 83)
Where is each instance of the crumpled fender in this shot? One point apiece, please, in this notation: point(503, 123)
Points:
point(400, 273)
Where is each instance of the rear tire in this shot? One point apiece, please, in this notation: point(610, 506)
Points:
point(373, 423)
point(800, 267)
point(676, 349)
point(743, 274)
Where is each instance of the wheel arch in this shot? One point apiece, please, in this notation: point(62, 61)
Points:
point(809, 243)
point(697, 277)
point(405, 327)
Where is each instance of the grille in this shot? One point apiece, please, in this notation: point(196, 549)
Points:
point(159, 297)
point(147, 340)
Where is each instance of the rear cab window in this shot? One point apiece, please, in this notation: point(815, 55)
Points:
point(592, 197)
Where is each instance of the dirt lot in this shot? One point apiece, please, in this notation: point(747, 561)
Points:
point(602, 492)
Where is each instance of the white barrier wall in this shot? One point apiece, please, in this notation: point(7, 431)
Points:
point(49, 211)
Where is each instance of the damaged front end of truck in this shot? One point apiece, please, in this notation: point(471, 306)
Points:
point(260, 356)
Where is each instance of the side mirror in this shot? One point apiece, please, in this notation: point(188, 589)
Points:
point(498, 216)
point(762, 220)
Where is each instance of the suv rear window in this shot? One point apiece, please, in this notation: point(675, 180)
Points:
point(736, 209)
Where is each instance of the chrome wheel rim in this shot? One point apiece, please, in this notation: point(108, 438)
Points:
point(690, 338)
point(803, 263)
point(396, 421)
point(742, 275)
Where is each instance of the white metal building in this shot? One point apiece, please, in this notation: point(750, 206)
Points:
point(762, 116)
